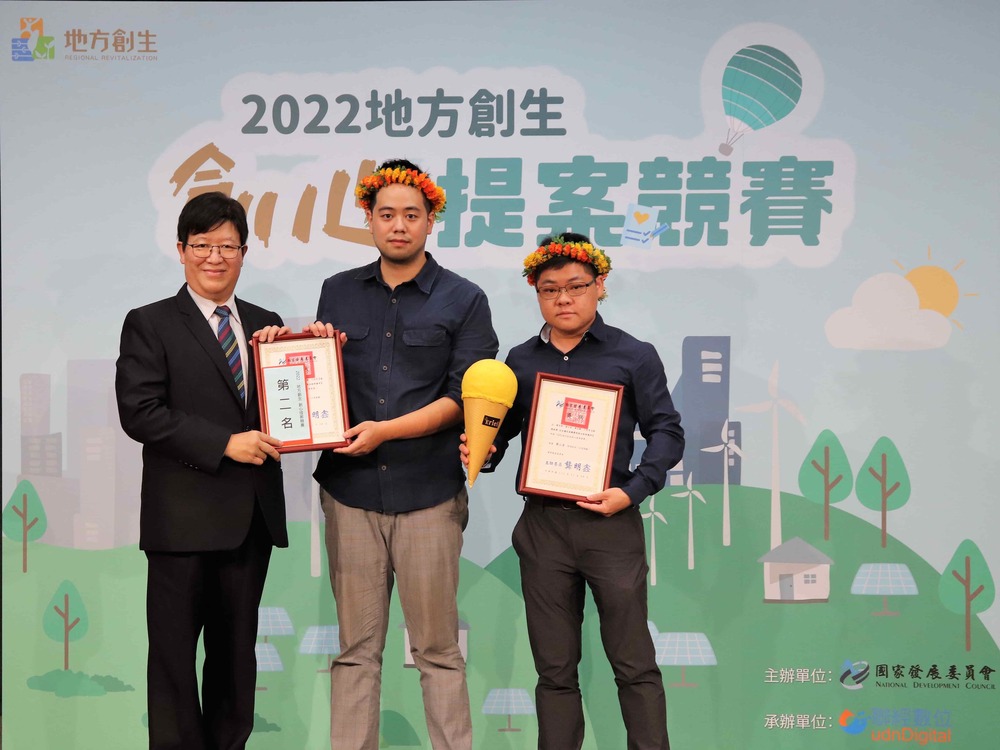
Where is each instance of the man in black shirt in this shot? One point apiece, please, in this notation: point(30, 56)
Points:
point(600, 542)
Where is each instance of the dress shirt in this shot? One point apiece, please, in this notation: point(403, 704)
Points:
point(207, 308)
point(608, 355)
point(406, 348)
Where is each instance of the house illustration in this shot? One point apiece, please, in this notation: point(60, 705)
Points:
point(796, 573)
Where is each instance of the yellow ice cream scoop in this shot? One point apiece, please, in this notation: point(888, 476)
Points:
point(488, 390)
point(492, 380)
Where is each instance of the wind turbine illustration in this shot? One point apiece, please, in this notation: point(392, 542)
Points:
point(653, 515)
point(775, 404)
point(727, 447)
point(690, 494)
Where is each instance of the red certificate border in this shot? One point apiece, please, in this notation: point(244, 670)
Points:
point(334, 342)
point(523, 487)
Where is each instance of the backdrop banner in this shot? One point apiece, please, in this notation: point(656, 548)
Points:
point(800, 203)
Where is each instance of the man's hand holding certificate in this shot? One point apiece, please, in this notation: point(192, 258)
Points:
point(300, 386)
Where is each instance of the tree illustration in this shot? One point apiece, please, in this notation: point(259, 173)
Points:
point(24, 518)
point(966, 585)
point(727, 447)
point(825, 475)
point(774, 405)
point(883, 483)
point(65, 618)
point(653, 515)
point(690, 495)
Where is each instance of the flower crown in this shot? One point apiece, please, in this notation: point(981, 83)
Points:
point(368, 186)
point(582, 252)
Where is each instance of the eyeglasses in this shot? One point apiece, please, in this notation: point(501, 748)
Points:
point(226, 251)
point(573, 290)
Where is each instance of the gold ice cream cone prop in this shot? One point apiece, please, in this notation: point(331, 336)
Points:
point(482, 420)
point(488, 390)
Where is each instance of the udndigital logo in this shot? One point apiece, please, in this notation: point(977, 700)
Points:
point(32, 44)
point(909, 734)
point(853, 723)
point(857, 723)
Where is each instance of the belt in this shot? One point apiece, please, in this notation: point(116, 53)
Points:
point(551, 502)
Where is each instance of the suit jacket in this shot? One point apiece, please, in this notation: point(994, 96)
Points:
point(177, 397)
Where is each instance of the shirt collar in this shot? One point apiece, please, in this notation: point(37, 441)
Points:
point(424, 279)
point(207, 307)
point(598, 330)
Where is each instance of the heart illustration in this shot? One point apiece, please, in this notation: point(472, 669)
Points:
point(640, 217)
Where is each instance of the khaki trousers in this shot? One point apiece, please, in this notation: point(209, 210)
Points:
point(368, 552)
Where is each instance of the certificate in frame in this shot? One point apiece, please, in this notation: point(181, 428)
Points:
point(300, 389)
point(571, 437)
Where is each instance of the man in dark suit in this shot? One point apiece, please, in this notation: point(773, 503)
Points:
point(212, 498)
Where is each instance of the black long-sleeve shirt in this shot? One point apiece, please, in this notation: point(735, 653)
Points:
point(608, 355)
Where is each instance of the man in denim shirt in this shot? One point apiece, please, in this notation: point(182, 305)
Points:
point(394, 499)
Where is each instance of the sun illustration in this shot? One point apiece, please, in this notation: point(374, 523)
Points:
point(936, 288)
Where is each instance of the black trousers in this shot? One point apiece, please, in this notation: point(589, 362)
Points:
point(218, 592)
point(562, 548)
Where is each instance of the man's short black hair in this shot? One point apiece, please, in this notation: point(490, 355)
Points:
point(205, 212)
point(398, 164)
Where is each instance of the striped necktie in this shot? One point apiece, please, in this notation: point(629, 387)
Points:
point(230, 348)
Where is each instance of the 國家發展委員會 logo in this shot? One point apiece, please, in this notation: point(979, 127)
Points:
point(853, 674)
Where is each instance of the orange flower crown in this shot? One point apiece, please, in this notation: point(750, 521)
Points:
point(368, 186)
point(582, 252)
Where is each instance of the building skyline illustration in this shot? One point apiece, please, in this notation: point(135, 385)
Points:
point(701, 395)
point(91, 502)
point(89, 477)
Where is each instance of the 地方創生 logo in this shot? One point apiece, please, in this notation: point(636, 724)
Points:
point(31, 43)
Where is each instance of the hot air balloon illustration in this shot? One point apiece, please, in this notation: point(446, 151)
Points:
point(761, 85)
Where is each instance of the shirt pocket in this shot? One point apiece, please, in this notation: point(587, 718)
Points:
point(425, 337)
point(425, 355)
point(354, 332)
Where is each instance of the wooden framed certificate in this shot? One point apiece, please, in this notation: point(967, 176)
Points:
point(571, 437)
point(300, 389)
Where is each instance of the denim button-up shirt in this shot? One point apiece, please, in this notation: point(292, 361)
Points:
point(406, 348)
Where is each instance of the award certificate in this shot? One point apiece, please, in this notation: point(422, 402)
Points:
point(300, 389)
point(571, 437)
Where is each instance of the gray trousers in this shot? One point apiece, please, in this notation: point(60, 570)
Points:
point(368, 552)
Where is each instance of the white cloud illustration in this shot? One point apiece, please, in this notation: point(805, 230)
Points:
point(885, 314)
